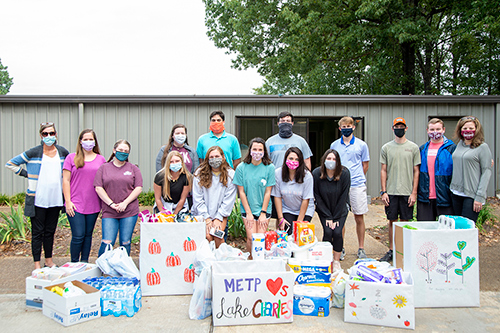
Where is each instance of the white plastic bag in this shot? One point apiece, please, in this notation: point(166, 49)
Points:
point(227, 252)
point(123, 264)
point(200, 305)
point(338, 287)
point(279, 250)
point(103, 263)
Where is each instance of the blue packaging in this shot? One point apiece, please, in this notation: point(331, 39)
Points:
point(311, 301)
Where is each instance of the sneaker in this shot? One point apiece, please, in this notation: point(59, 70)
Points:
point(361, 254)
point(387, 257)
point(336, 266)
point(342, 254)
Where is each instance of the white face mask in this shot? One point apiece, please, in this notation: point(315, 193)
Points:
point(180, 139)
point(330, 165)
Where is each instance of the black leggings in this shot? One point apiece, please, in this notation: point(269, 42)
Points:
point(290, 218)
point(43, 228)
point(334, 236)
point(464, 206)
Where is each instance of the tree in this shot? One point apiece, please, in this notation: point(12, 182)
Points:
point(362, 46)
point(5, 81)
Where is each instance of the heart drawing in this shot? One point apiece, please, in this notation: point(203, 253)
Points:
point(274, 286)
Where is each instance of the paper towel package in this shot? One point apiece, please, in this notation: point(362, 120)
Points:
point(311, 300)
point(258, 246)
point(321, 251)
point(317, 272)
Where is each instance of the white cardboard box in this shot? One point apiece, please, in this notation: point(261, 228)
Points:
point(252, 292)
point(72, 310)
point(444, 263)
point(34, 294)
point(380, 304)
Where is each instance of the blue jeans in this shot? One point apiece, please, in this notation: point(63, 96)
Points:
point(110, 227)
point(82, 226)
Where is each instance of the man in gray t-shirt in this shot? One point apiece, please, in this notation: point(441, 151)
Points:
point(279, 143)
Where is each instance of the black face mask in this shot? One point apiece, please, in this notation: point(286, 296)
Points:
point(347, 131)
point(399, 132)
point(285, 130)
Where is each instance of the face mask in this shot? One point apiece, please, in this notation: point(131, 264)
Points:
point(49, 140)
point(399, 132)
point(256, 155)
point(180, 138)
point(88, 145)
point(215, 162)
point(292, 164)
point(121, 156)
point(330, 165)
point(468, 135)
point(346, 131)
point(435, 135)
point(175, 166)
point(217, 127)
point(285, 130)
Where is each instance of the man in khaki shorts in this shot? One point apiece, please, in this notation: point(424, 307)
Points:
point(354, 155)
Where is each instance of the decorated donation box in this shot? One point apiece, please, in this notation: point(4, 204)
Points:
point(444, 263)
point(252, 292)
point(166, 259)
point(382, 304)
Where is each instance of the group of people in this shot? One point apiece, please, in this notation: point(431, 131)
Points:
point(274, 179)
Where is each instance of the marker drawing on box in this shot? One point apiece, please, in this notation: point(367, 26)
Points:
point(377, 294)
point(468, 261)
point(427, 258)
point(444, 262)
point(354, 287)
point(399, 301)
point(378, 312)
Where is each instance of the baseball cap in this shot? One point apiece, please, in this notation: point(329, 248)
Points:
point(399, 120)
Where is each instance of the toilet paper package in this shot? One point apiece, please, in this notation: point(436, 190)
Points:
point(321, 251)
point(316, 272)
point(311, 300)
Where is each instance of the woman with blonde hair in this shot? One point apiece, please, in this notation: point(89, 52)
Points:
point(82, 202)
point(172, 184)
point(472, 165)
point(214, 192)
point(118, 183)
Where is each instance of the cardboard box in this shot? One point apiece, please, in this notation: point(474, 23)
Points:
point(34, 294)
point(72, 310)
point(380, 304)
point(444, 263)
point(166, 258)
point(252, 292)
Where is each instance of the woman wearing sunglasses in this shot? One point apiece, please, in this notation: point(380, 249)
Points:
point(44, 196)
point(471, 169)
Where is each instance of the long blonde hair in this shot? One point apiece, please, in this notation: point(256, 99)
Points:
point(168, 175)
point(80, 155)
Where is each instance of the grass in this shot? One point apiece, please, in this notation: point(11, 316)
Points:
point(147, 198)
point(136, 239)
point(486, 217)
point(236, 227)
point(14, 226)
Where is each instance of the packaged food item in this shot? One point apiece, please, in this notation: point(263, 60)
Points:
point(282, 236)
point(271, 239)
point(303, 233)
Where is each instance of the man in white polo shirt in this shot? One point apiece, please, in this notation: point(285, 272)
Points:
point(354, 155)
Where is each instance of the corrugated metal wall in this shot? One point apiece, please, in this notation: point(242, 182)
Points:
point(147, 125)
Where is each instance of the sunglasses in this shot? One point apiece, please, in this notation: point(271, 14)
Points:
point(47, 124)
point(468, 118)
point(44, 134)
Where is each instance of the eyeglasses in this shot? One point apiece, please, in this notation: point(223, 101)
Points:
point(468, 118)
point(45, 134)
point(47, 124)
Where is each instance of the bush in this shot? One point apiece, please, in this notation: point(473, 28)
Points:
point(62, 221)
point(236, 227)
point(14, 226)
point(486, 217)
point(147, 198)
point(4, 199)
point(17, 199)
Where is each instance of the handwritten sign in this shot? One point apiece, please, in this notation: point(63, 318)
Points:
point(252, 292)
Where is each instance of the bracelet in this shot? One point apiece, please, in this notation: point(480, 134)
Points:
point(281, 222)
point(263, 211)
point(111, 204)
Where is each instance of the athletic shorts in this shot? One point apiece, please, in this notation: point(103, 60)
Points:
point(398, 207)
point(358, 199)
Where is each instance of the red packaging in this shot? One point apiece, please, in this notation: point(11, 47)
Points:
point(271, 238)
point(295, 231)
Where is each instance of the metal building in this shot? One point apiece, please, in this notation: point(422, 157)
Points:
point(146, 122)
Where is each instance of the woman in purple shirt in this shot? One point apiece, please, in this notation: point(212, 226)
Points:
point(82, 203)
point(118, 183)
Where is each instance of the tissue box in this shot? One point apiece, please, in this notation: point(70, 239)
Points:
point(316, 272)
point(311, 301)
point(34, 287)
point(72, 310)
point(381, 304)
point(444, 263)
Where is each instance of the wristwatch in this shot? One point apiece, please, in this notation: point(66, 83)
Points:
point(382, 193)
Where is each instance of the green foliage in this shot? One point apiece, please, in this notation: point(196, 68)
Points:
point(362, 46)
point(136, 239)
point(236, 227)
point(14, 226)
point(17, 199)
point(62, 221)
point(4, 199)
point(5, 81)
point(486, 217)
point(147, 198)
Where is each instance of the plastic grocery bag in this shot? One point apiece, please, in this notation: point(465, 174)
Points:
point(338, 287)
point(227, 252)
point(123, 264)
point(103, 263)
point(200, 305)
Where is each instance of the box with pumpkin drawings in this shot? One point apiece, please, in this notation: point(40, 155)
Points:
point(166, 258)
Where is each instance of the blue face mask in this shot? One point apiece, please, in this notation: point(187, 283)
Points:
point(346, 131)
point(175, 166)
point(49, 140)
point(121, 156)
